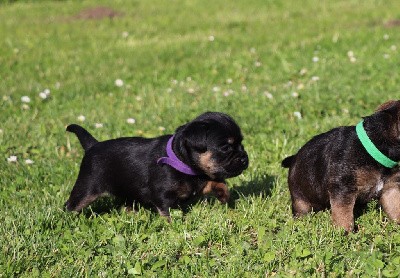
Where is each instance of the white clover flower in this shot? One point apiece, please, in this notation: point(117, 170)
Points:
point(131, 121)
point(119, 83)
point(161, 128)
point(25, 106)
point(303, 71)
point(257, 64)
point(28, 161)
point(81, 118)
point(47, 92)
point(393, 47)
point(315, 59)
point(295, 94)
point(42, 95)
point(350, 53)
point(315, 78)
point(138, 98)
point(244, 88)
point(188, 79)
point(190, 90)
point(353, 59)
point(98, 125)
point(211, 38)
point(25, 99)
point(297, 114)
point(268, 95)
point(125, 34)
point(229, 81)
point(216, 89)
point(300, 86)
point(12, 158)
point(386, 37)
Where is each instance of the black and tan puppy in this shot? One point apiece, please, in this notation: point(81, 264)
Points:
point(161, 171)
point(337, 169)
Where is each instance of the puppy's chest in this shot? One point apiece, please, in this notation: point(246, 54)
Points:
point(369, 184)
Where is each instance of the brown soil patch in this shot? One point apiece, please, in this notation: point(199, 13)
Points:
point(98, 13)
point(393, 23)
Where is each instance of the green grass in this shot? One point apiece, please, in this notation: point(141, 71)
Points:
point(262, 46)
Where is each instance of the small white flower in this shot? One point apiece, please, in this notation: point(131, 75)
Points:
point(169, 90)
point(1, 131)
point(268, 95)
point(25, 99)
point(216, 89)
point(119, 83)
point(257, 64)
point(300, 86)
point(393, 47)
point(229, 81)
point(98, 125)
point(386, 37)
point(188, 79)
point(315, 59)
point(42, 95)
point(190, 90)
point(353, 59)
point(350, 53)
point(125, 34)
point(297, 114)
point(47, 92)
point(295, 94)
point(12, 158)
point(138, 98)
point(28, 161)
point(303, 71)
point(315, 78)
point(81, 118)
point(244, 88)
point(131, 121)
point(386, 56)
point(161, 128)
point(252, 50)
point(174, 81)
point(211, 38)
point(25, 106)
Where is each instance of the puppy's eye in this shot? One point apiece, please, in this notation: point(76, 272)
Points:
point(226, 148)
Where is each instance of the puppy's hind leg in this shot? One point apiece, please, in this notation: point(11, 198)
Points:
point(342, 211)
point(81, 195)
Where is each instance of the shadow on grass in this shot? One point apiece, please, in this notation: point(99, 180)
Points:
point(260, 185)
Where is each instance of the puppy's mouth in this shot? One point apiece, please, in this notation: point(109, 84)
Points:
point(234, 167)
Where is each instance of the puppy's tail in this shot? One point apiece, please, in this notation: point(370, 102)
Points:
point(288, 161)
point(86, 139)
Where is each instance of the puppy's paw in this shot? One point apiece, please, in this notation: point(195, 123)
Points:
point(219, 189)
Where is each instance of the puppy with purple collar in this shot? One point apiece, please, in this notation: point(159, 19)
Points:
point(162, 171)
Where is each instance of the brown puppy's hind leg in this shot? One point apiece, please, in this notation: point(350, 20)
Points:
point(220, 190)
point(343, 212)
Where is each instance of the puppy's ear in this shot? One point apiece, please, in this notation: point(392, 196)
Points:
point(194, 135)
point(389, 106)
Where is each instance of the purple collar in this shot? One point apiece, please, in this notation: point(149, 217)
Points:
point(172, 160)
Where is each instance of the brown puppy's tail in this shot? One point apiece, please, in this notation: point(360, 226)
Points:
point(86, 139)
point(288, 161)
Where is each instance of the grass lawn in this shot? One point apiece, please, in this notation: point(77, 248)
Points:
point(285, 70)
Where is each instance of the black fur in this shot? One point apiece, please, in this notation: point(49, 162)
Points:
point(127, 167)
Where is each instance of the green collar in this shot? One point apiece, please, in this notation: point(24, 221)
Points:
point(372, 149)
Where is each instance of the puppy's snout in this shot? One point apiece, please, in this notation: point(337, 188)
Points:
point(243, 160)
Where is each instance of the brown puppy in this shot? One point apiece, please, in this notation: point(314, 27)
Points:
point(337, 170)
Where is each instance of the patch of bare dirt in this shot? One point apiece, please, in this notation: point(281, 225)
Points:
point(393, 23)
point(98, 13)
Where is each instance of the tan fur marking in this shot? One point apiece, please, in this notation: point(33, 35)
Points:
point(85, 202)
point(390, 202)
point(207, 164)
point(220, 190)
point(342, 214)
point(301, 207)
point(367, 181)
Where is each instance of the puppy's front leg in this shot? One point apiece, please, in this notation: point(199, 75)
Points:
point(390, 199)
point(342, 211)
point(220, 190)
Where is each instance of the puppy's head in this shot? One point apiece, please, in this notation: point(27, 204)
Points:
point(212, 144)
point(386, 121)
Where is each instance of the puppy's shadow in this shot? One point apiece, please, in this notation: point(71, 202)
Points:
point(260, 185)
